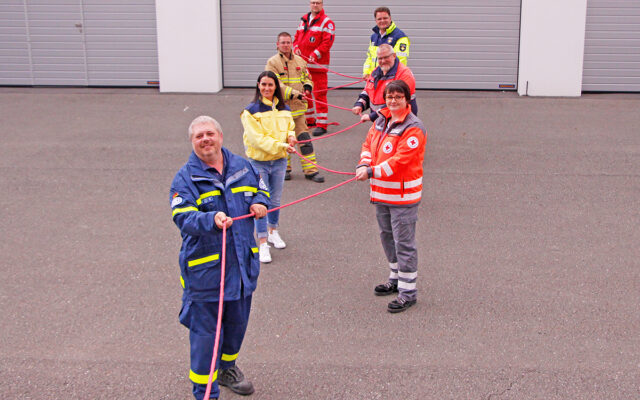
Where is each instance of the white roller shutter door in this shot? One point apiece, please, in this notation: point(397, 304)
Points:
point(455, 44)
point(612, 46)
point(78, 42)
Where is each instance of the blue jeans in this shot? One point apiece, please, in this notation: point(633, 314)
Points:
point(272, 174)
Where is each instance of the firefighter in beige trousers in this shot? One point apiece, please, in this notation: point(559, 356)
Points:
point(296, 83)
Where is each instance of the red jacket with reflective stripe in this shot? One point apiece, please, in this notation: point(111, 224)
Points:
point(394, 152)
point(315, 36)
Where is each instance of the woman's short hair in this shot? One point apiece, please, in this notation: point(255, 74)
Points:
point(398, 86)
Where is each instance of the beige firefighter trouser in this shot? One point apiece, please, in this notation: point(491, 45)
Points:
point(307, 167)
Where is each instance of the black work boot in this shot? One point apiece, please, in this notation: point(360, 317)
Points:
point(399, 305)
point(386, 289)
point(234, 379)
point(319, 131)
point(316, 177)
point(287, 175)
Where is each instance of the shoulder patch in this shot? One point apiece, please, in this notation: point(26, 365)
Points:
point(403, 47)
point(262, 185)
point(413, 142)
point(176, 201)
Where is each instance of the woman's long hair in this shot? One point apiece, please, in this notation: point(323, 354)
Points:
point(277, 93)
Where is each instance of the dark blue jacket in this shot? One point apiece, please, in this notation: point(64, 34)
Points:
point(196, 196)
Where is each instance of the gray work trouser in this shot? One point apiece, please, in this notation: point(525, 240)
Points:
point(398, 236)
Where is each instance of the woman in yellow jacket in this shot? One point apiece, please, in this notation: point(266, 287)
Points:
point(269, 133)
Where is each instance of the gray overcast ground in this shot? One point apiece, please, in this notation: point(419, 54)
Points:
point(529, 276)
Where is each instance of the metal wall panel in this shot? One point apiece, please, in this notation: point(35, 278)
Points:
point(455, 44)
point(15, 62)
point(612, 46)
point(78, 42)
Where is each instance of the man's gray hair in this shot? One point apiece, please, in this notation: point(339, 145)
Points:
point(203, 119)
point(385, 46)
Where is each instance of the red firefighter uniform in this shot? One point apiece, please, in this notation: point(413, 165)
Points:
point(294, 80)
point(394, 153)
point(314, 37)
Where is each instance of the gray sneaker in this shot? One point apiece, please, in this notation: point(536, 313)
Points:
point(234, 379)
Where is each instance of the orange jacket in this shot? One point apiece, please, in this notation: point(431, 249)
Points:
point(393, 153)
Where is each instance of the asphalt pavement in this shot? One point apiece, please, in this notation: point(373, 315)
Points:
point(528, 232)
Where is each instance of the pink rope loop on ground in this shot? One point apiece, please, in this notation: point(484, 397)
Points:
point(326, 104)
point(331, 134)
point(323, 168)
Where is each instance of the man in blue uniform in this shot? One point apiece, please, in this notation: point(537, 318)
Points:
point(213, 187)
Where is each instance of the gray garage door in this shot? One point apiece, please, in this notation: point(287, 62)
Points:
point(612, 46)
point(455, 44)
point(78, 42)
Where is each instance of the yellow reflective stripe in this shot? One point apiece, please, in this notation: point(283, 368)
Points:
point(265, 192)
point(202, 379)
point(297, 113)
point(182, 281)
point(244, 189)
point(254, 249)
point(229, 357)
point(182, 210)
point(203, 260)
point(208, 194)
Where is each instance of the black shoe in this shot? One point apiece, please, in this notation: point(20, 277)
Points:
point(315, 177)
point(287, 176)
point(234, 379)
point(386, 289)
point(319, 131)
point(399, 305)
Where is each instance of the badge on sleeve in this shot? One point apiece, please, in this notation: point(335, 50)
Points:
point(262, 185)
point(403, 47)
point(387, 148)
point(413, 142)
point(176, 200)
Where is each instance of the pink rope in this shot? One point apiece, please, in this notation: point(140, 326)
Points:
point(341, 86)
point(328, 70)
point(326, 104)
point(331, 134)
point(323, 168)
point(224, 254)
point(214, 358)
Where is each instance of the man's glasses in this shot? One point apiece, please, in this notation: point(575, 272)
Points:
point(396, 98)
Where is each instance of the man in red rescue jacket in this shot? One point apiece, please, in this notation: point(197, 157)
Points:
point(313, 41)
point(389, 69)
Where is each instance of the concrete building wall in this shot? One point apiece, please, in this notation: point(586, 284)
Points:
point(189, 46)
point(551, 47)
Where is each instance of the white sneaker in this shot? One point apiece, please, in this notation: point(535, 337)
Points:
point(265, 256)
point(276, 240)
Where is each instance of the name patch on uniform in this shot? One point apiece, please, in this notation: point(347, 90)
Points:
point(176, 200)
point(412, 142)
point(387, 148)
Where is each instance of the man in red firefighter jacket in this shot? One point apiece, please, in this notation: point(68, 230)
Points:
point(313, 40)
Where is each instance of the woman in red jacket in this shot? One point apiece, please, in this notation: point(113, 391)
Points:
point(391, 158)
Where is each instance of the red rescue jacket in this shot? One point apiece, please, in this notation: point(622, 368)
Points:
point(315, 36)
point(394, 152)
